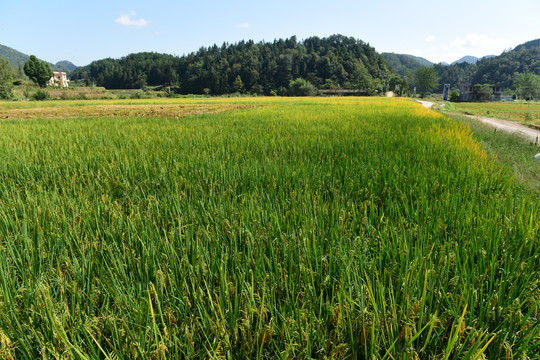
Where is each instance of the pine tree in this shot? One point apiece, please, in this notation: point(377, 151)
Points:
point(238, 84)
point(6, 79)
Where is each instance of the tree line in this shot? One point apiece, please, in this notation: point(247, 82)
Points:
point(503, 70)
point(292, 67)
point(248, 67)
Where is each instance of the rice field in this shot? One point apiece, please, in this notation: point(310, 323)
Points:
point(278, 228)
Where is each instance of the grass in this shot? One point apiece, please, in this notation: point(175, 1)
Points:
point(511, 151)
point(526, 113)
point(307, 228)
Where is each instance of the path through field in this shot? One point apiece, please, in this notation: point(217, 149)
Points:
point(427, 104)
point(504, 125)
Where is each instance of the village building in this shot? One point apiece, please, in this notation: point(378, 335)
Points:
point(469, 92)
point(59, 79)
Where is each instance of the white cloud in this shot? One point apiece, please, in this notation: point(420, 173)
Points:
point(128, 20)
point(430, 39)
point(244, 26)
point(478, 45)
point(479, 42)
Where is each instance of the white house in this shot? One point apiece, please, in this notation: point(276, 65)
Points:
point(59, 79)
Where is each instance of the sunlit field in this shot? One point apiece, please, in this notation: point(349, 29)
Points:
point(261, 228)
point(524, 112)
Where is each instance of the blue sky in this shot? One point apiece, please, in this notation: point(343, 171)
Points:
point(83, 31)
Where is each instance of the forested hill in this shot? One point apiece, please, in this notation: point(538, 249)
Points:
point(262, 68)
point(17, 59)
point(497, 70)
point(501, 70)
point(14, 57)
point(528, 45)
point(405, 64)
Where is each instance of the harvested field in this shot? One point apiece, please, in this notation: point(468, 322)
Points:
point(160, 111)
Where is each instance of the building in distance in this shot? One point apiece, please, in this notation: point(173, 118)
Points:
point(470, 92)
point(59, 79)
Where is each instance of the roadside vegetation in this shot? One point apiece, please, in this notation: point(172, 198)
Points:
point(511, 151)
point(295, 228)
point(527, 113)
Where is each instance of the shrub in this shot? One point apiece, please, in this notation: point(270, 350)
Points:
point(454, 96)
point(5, 92)
point(41, 95)
point(301, 87)
point(140, 95)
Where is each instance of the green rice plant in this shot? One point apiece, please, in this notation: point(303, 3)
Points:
point(296, 228)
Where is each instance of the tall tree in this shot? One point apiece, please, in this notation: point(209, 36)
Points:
point(527, 86)
point(426, 79)
point(485, 92)
point(238, 84)
point(38, 71)
point(6, 79)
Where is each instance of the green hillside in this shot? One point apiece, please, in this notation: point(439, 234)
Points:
point(502, 70)
point(248, 67)
point(15, 58)
point(528, 45)
point(404, 64)
point(498, 70)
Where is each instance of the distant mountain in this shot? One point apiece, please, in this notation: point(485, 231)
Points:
point(528, 45)
point(471, 59)
point(467, 59)
point(403, 63)
point(15, 58)
point(65, 65)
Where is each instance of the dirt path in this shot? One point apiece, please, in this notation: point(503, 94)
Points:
point(509, 126)
point(504, 125)
point(427, 104)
